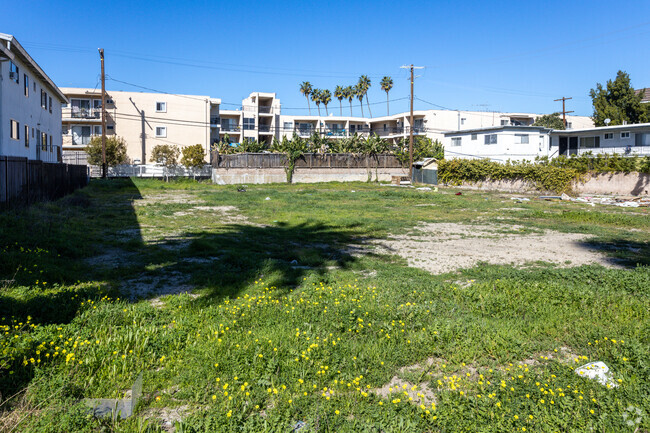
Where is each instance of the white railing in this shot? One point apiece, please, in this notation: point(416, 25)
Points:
point(621, 150)
point(158, 171)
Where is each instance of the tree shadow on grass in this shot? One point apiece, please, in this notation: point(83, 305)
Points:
point(621, 252)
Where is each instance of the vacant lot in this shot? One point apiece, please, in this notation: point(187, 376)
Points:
point(322, 308)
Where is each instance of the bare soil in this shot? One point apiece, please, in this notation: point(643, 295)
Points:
point(445, 247)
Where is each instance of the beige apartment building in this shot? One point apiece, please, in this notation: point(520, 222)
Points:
point(143, 120)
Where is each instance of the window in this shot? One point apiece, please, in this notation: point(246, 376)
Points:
point(161, 107)
point(97, 130)
point(642, 139)
point(80, 135)
point(455, 141)
point(50, 144)
point(43, 99)
point(43, 141)
point(504, 122)
point(589, 142)
point(521, 138)
point(161, 131)
point(110, 128)
point(609, 136)
point(288, 126)
point(462, 120)
point(249, 123)
point(568, 125)
point(14, 131)
point(491, 139)
point(14, 72)
point(26, 81)
point(625, 134)
point(50, 104)
point(26, 136)
point(474, 136)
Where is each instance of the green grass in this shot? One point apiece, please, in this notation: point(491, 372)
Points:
point(290, 326)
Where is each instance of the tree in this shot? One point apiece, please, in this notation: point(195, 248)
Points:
point(372, 147)
point(115, 151)
point(316, 98)
point(365, 83)
point(293, 150)
point(359, 93)
point(193, 156)
point(305, 89)
point(349, 94)
point(166, 155)
point(553, 121)
point(617, 102)
point(423, 147)
point(339, 93)
point(386, 85)
point(325, 98)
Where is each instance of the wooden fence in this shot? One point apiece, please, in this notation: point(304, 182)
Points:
point(24, 181)
point(308, 160)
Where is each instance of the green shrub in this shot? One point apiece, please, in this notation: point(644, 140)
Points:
point(115, 151)
point(193, 156)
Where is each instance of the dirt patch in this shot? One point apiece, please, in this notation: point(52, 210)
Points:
point(111, 257)
point(445, 247)
point(223, 214)
point(168, 416)
point(171, 197)
point(163, 283)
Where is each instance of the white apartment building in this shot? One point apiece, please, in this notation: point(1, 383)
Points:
point(30, 106)
point(622, 139)
point(143, 120)
point(258, 119)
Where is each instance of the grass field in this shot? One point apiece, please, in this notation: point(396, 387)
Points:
point(293, 308)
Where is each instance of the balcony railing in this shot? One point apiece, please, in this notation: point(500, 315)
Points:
point(215, 120)
point(265, 109)
point(265, 128)
point(84, 113)
point(229, 127)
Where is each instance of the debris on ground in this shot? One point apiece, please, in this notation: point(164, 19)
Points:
point(598, 371)
point(459, 193)
point(117, 408)
point(520, 199)
point(592, 201)
point(267, 198)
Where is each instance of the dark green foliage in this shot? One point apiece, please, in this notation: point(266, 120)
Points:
point(617, 102)
point(553, 121)
point(423, 147)
point(193, 156)
point(165, 154)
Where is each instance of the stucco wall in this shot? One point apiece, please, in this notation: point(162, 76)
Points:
point(233, 176)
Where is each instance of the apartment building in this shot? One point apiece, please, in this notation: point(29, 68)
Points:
point(30, 106)
point(499, 143)
point(142, 119)
point(257, 119)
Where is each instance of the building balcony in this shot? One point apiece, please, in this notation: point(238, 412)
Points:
point(264, 109)
point(228, 127)
point(265, 128)
point(215, 121)
point(81, 113)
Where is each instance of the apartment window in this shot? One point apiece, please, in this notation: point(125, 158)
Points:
point(161, 131)
point(249, 123)
point(43, 99)
point(589, 142)
point(43, 141)
point(14, 72)
point(491, 139)
point(288, 126)
point(50, 144)
point(97, 130)
point(609, 136)
point(521, 138)
point(14, 131)
point(474, 136)
point(504, 122)
point(50, 104)
point(462, 120)
point(642, 139)
point(26, 136)
point(161, 107)
point(625, 134)
point(80, 135)
point(26, 82)
point(569, 125)
point(110, 128)
point(455, 141)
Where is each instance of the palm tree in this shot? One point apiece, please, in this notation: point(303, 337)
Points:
point(359, 92)
point(339, 93)
point(349, 94)
point(316, 97)
point(326, 98)
point(364, 81)
point(386, 85)
point(305, 89)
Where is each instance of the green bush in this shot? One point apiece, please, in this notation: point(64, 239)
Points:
point(115, 151)
point(193, 156)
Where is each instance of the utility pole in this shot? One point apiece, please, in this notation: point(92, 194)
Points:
point(411, 67)
point(101, 56)
point(564, 112)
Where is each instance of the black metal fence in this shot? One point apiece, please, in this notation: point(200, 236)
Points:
point(24, 181)
point(308, 160)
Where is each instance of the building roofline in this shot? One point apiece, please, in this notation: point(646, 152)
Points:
point(15, 46)
point(499, 128)
point(602, 128)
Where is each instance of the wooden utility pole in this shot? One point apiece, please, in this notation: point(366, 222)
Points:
point(564, 112)
point(411, 67)
point(104, 168)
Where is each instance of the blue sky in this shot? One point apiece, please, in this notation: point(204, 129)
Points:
point(479, 55)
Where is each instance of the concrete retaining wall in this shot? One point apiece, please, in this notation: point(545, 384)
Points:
point(232, 176)
point(624, 184)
